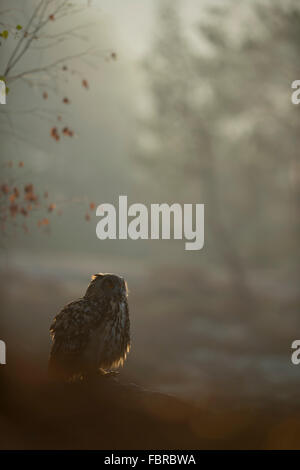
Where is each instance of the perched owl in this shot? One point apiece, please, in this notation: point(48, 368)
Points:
point(91, 334)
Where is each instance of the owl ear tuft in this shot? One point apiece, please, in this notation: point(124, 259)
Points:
point(94, 276)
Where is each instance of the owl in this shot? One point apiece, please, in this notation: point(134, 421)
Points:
point(91, 334)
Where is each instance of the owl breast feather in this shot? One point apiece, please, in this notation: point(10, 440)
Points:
point(88, 335)
point(109, 342)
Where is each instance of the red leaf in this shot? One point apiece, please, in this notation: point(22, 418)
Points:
point(44, 221)
point(54, 133)
point(5, 188)
point(67, 131)
point(28, 188)
point(29, 193)
point(51, 207)
point(24, 211)
point(13, 208)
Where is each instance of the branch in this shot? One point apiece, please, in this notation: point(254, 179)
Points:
point(15, 51)
point(49, 66)
point(14, 59)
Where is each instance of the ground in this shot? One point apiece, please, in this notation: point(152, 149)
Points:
point(201, 373)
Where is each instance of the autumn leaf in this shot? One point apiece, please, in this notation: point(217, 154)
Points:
point(5, 188)
point(13, 208)
point(24, 211)
point(45, 95)
point(87, 217)
point(67, 131)
point(51, 207)
point(16, 192)
point(54, 133)
point(28, 188)
point(42, 222)
point(114, 55)
point(31, 197)
point(19, 27)
point(66, 100)
point(21, 164)
point(85, 84)
point(51, 17)
point(29, 193)
point(92, 205)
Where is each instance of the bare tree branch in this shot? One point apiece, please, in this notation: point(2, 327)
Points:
point(22, 39)
point(14, 59)
point(44, 68)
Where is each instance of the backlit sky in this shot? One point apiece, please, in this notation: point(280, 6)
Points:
point(133, 21)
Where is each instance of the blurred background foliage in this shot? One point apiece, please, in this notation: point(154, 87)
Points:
point(185, 102)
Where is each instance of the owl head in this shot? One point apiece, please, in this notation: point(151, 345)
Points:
point(107, 285)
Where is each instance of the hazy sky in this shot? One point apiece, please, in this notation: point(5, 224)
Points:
point(134, 20)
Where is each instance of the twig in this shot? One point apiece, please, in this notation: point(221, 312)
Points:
point(49, 66)
point(14, 59)
point(22, 38)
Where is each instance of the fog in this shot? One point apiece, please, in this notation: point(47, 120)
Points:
point(185, 102)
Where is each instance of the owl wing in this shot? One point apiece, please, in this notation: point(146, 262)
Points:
point(70, 332)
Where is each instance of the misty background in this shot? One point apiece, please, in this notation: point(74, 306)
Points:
point(187, 102)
